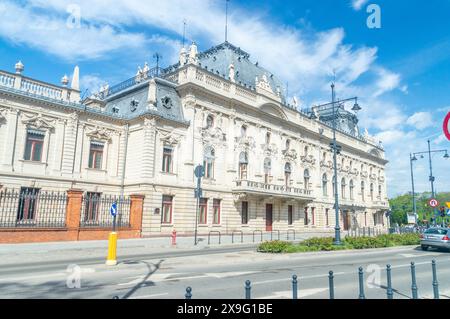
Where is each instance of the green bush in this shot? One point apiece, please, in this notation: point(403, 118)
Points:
point(326, 243)
point(276, 246)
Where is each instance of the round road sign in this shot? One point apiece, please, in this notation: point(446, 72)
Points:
point(447, 126)
point(433, 202)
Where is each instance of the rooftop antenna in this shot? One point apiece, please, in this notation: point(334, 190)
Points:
point(158, 57)
point(226, 20)
point(184, 32)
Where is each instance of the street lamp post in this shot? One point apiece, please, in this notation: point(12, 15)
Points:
point(431, 178)
point(411, 159)
point(336, 150)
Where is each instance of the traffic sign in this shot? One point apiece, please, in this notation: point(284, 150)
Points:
point(447, 126)
point(113, 209)
point(433, 202)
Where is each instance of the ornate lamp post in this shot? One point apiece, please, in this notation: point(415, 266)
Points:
point(431, 178)
point(336, 150)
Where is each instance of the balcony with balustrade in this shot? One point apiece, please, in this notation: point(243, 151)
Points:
point(259, 189)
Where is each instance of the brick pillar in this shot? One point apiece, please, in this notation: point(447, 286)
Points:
point(136, 212)
point(73, 213)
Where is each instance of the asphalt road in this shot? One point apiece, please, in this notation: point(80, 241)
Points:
point(221, 274)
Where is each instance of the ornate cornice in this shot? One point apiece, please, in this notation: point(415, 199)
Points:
point(101, 134)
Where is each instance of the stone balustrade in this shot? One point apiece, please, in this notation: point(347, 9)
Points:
point(271, 189)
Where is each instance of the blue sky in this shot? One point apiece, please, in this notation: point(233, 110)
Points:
point(400, 72)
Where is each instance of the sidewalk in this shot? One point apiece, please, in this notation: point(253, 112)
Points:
point(41, 252)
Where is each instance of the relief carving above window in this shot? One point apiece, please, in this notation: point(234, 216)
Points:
point(39, 122)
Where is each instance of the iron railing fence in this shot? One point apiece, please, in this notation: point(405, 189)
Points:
point(32, 208)
point(96, 210)
point(366, 232)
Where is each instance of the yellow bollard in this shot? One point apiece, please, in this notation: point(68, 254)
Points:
point(112, 249)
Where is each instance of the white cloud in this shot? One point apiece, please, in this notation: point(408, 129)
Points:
point(358, 4)
point(387, 81)
point(420, 120)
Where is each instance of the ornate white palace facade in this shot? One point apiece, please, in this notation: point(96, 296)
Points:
point(268, 166)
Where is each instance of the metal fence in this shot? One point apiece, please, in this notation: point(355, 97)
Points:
point(366, 232)
point(31, 207)
point(359, 294)
point(96, 210)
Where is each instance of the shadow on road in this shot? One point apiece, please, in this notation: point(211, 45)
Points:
point(144, 282)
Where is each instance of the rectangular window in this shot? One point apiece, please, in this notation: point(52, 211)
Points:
point(167, 207)
point(26, 212)
point(290, 215)
point(202, 218)
point(306, 216)
point(313, 215)
point(244, 213)
point(96, 155)
point(216, 211)
point(326, 216)
point(34, 145)
point(91, 207)
point(167, 159)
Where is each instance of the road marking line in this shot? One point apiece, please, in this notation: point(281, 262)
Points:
point(288, 294)
point(299, 278)
point(149, 296)
point(33, 277)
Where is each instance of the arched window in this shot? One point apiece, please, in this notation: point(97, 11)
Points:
point(208, 162)
point(324, 156)
point(306, 178)
point(363, 189)
point(306, 151)
point(268, 136)
point(343, 163)
point(352, 188)
point(325, 185)
point(243, 131)
point(243, 165)
point(371, 171)
point(351, 165)
point(287, 174)
point(209, 121)
point(343, 185)
point(267, 170)
point(371, 191)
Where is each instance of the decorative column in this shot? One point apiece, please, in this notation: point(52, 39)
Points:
point(148, 150)
point(9, 148)
point(69, 144)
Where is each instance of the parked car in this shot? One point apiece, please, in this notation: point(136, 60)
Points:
point(436, 237)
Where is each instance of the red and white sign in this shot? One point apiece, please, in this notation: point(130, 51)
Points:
point(447, 126)
point(433, 202)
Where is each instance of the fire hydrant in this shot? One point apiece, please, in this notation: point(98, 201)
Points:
point(174, 237)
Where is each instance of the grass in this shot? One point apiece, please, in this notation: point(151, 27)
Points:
point(326, 243)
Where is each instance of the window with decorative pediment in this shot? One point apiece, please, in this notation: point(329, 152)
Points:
point(243, 131)
point(209, 121)
point(268, 137)
point(363, 189)
point(243, 165)
point(306, 178)
point(208, 162)
point(34, 145)
point(287, 174)
point(352, 189)
point(324, 185)
point(267, 170)
point(167, 165)
point(343, 187)
point(96, 154)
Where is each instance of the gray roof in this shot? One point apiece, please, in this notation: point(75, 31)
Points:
point(219, 58)
point(133, 102)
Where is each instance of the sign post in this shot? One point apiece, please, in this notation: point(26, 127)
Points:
point(199, 172)
point(112, 240)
